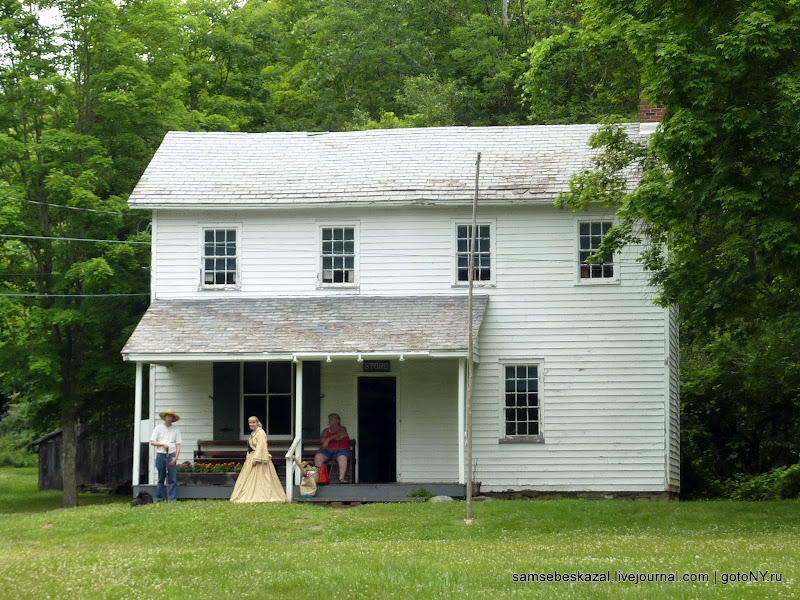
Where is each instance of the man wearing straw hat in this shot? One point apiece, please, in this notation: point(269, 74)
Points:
point(167, 440)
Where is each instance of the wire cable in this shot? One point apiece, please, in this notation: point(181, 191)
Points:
point(92, 210)
point(69, 239)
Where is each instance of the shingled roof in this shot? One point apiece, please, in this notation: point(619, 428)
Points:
point(405, 166)
point(344, 324)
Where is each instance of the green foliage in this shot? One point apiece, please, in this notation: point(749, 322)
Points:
point(718, 206)
point(779, 483)
point(578, 73)
point(421, 493)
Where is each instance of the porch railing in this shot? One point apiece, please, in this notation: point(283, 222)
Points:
point(291, 466)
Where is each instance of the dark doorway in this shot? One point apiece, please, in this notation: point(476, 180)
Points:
point(377, 430)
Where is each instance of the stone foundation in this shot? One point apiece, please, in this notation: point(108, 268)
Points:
point(545, 495)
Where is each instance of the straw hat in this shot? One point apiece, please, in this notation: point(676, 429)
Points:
point(169, 411)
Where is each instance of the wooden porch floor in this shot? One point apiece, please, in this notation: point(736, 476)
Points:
point(333, 493)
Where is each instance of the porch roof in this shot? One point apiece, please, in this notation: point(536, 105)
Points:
point(220, 329)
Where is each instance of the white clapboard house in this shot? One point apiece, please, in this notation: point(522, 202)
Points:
point(298, 274)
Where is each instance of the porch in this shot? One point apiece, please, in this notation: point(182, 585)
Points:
point(393, 368)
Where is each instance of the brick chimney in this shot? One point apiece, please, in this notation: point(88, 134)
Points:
point(650, 114)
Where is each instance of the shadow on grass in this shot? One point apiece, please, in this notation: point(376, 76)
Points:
point(19, 493)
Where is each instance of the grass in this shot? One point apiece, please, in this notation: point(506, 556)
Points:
point(18, 493)
point(213, 549)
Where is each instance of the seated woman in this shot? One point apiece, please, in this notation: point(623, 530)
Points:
point(334, 443)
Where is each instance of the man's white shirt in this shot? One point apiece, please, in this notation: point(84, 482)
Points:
point(163, 434)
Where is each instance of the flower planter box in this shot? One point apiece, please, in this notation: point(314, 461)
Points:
point(207, 478)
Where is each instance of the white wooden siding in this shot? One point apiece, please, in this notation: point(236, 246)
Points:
point(608, 419)
point(187, 388)
point(427, 413)
point(674, 429)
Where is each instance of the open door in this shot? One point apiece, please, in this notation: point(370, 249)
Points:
point(377, 430)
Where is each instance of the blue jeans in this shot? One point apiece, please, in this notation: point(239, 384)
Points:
point(163, 469)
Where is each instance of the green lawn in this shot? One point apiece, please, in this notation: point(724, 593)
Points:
point(212, 549)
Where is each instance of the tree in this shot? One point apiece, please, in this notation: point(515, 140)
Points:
point(718, 201)
point(73, 128)
point(579, 72)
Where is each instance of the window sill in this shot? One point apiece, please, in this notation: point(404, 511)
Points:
point(598, 281)
point(219, 288)
point(522, 439)
point(338, 286)
point(477, 284)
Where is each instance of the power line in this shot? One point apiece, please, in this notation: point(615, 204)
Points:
point(2, 295)
point(68, 239)
point(92, 210)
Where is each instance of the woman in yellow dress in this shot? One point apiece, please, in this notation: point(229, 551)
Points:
point(258, 480)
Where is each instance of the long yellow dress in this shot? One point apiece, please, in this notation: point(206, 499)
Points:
point(259, 482)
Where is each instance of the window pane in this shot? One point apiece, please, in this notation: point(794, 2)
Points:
point(327, 233)
point(280, 377)
point(349, 233)
point(338, 234)
point(255, 378)
point(280, 415)
point(254, 406)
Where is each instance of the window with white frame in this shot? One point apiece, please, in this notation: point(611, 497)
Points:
point(482, 267)
point(219, 258)
point(590, 234)
point(338, 255)
point(522, 407)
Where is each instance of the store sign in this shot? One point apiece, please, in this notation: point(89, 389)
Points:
point(377, 366)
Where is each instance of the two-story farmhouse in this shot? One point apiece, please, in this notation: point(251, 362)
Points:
point(299, 274)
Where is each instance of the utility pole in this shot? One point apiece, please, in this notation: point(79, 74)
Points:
point(470, 342)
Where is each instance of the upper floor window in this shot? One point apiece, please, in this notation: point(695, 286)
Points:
point(591, 234)
point(482, 267)
point(338, 255)
point(522, 409)
point(220, 258)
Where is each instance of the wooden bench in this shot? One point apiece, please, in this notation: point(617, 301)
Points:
point(227, 451)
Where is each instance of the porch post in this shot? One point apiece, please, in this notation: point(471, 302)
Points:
point(137, 424)
point(298, 428)
point(462, 421)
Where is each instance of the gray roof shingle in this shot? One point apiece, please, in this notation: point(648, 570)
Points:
point(308, 324)
point(437, 164)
